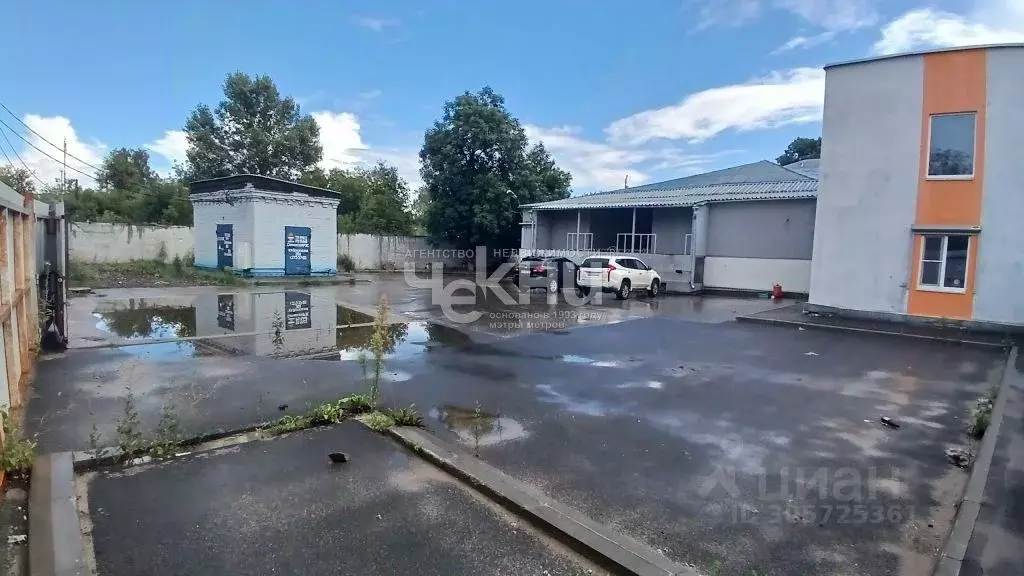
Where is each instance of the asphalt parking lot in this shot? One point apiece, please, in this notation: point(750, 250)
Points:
point(740, 448)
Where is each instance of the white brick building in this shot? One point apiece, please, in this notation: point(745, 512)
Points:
point(262, 226)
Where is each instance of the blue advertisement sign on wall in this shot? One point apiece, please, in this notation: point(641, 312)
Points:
point(296, 250)
point(296, 311)
point(225, 246)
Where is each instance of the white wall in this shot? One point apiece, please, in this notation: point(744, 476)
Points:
point(254, 321)
point(757, 274)
point(98, 242)
point(1000, 269)
point(206, 216)
point(867, 194)
point(372, 252)
point(271, 219)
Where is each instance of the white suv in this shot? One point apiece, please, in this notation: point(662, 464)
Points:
point(618, 274)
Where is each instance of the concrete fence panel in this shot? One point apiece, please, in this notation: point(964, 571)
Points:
point(100, 242)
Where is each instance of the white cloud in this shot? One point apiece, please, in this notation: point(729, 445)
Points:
point(832, 15)
point(803, 42)
point(172, 145)
point(57, 129)
point(787, 97)
point(375, 23)
point(339, 136)
point(603, 166)
point(989, 22)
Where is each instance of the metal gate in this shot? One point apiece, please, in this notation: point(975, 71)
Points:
point(296, 250)
point(225, 246)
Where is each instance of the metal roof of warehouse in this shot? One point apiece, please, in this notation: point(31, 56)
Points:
point(758, 181)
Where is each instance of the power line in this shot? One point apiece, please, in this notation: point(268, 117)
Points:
point(26, 141)
point(44, 139)
point(20, 159)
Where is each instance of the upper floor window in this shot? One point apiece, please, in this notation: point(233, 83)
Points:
point(951, 146)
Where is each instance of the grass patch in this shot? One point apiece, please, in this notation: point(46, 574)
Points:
point(138, 273)
point(379, 421)
point(981, 416)
point(18, 453)
point(356, 403)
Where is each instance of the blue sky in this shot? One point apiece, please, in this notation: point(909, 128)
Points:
point(652, 89)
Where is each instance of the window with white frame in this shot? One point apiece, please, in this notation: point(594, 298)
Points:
point(944, 263)
point(951, 145)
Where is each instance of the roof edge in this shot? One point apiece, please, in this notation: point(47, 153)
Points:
point(881, 57)
point(281, 185)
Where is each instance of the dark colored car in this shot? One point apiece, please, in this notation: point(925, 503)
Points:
point(551, 274)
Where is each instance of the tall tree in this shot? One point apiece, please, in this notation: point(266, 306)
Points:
point(385, 206)
point(252, 131)
point(126, 169)
point(800, 149)
point(348, 184)
point(478, 171)
point(18, 178)
point(420, 207)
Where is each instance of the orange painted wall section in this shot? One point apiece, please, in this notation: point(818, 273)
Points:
point(942, 304)
point(953, 82)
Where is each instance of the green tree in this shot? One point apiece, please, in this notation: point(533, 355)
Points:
point(419, 209)
point(126, 169)
point(252, 131)
point(385, 205)
point(350, 186)
point(800, 149)
point(18, 178)
point(478, 170)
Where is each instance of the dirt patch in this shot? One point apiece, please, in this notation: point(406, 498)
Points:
point(144, 274)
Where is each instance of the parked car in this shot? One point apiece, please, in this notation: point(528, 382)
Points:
point(618, 274)
point(551, 274)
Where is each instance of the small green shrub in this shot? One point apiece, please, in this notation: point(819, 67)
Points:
point(161, 253)
point(129, 429)
point(177, 265)
point(189, 259)
point(346, 263)
point(406, 416)
point(168, 434)
point(290, 424)
point(379, 421)
point(356, 403)
point(327, 413)
point(18, 453)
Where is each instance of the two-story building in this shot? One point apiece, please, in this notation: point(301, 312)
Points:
point(921, 193)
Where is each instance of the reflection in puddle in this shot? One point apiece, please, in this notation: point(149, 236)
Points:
point(149, 322)
point(476, 427)
point(588, 407)
point(402, 340)
point(652, 384)
point(348, 316)
point(574, 359)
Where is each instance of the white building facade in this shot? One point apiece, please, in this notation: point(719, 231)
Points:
point(262, 226)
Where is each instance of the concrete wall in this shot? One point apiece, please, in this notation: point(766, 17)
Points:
point(671, 226)
point(1000, 269)
point(97, 242)
point(206, 216)
point(371, 252)
point(780, 229)
point(867, 195)
point(271, 219)
point(758, 274)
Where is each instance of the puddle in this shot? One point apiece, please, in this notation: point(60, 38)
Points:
point(403, 340)
point(476, 427)
point(149, 323)
point(162, 351)
point(574, 359)
point(651, 384)
point(348, 316)
point(588, 407)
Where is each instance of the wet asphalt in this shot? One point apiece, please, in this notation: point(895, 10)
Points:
point(740, 448)
point(278, 507)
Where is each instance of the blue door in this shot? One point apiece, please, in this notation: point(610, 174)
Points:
point(225, 246)
point(296, 250)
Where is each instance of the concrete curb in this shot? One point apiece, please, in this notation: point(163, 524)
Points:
point(955, 549)
point(617, 552)
point(752, 319)
point(55, 546)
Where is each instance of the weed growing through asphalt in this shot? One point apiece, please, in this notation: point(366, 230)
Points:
point(129, 429)
point(981, 414)
point(477, 428)
point(356, 403)
point(18, 453)
point(289, 424)
point(94, 440)
point(379, 421)
point(380, 344)
point(406, 416)
point(168, 434)
point(278, 338)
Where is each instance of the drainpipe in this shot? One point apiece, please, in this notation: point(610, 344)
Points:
point(578, 212)
point(536, 222)
point(632, 236)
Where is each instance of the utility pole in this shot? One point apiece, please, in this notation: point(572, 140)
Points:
point(63, 168)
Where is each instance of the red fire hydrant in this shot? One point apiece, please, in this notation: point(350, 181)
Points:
point(777, 291)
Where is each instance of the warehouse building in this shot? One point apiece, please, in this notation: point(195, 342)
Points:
point(743, 228)
point(921, 189)
point(262, 226)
